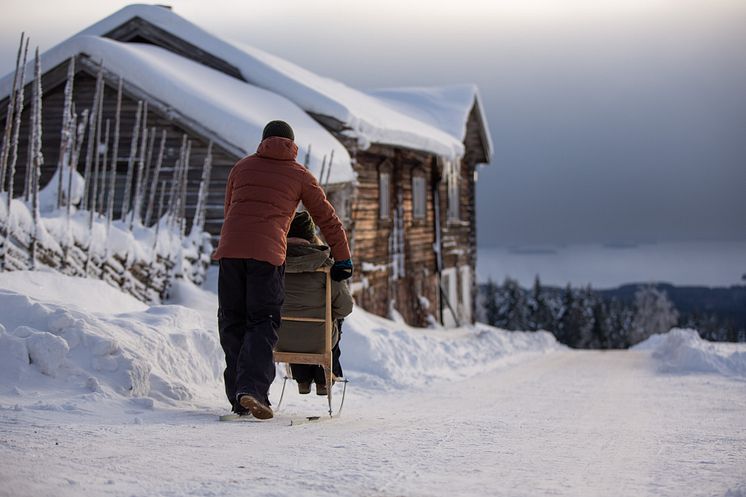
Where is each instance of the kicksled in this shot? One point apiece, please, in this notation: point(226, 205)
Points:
point(284, 419)
point(321, 358)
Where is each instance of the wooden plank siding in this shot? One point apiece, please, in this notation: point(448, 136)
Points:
point(84, 88)
point(371, 236)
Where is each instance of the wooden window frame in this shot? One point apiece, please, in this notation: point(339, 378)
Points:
point(385, 170)
point(453, 189)
point(419, 178)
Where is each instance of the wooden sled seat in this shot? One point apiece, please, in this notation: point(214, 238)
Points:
point(314, 347)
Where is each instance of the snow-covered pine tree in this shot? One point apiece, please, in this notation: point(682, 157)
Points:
point(491, 309)
point(654, 313)
point(565, 330)
point(9, 119)
point(512, 306)
point(156, 176)
point(540, 311)
point(600, 338)
point(585, 300)
point(92, 147)
point(65, 136)
point(131, 163)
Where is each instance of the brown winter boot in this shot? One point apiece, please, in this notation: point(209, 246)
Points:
point(321, 389)
point(304, 388)
point(256, 408)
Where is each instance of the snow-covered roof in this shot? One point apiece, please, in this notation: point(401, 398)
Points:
point(369, 120)
point(445, 107)
point(232, 109)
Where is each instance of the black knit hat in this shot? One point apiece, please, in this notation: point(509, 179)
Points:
point(302, 226)
point(278, 128)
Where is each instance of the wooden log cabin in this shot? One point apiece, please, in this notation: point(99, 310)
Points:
point(404, 162)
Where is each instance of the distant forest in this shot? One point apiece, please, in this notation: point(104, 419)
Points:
point(616, 318)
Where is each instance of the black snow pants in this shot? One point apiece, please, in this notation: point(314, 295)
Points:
point(250, 297)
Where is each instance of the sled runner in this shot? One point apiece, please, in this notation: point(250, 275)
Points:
point(320, 357)
point(282, 420)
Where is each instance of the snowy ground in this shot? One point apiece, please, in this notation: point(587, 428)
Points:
point(474, 411)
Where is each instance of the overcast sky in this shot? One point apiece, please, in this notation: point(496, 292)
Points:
point(612, 120)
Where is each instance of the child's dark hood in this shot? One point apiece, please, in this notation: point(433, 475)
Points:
point(306, 258)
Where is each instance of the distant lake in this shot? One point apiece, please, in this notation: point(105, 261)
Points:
point(608, 266)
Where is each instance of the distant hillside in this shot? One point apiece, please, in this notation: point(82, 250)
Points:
point(728, 304)
point(582, 317)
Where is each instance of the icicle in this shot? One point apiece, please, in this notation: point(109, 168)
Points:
point(323, 169)
point(96, 161)
point(38, 158)
point(131, 163)
point(68, 238)
point(329, 170)
point(30, 150)
point(198, 222)
point(17, 125)
point(79, 137)
point(147, 180)
point(19, 97)
point(176, 183)
point(158, 220)
point(9, 119)
point(114, 160)
point(66, 131)
point(92, 138)
point(137, 201)
point(156, 174)
point(105, 147)
point(183, 196)
point(307, 160)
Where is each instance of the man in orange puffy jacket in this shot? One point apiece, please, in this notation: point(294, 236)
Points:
point(261, 197)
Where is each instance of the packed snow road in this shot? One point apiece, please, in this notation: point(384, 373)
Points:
point(573, 423)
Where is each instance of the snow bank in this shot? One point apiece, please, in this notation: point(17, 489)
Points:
point(82, 294)
point(56, 352)
point(683, 351)
point(68, 342)
point(379, 352)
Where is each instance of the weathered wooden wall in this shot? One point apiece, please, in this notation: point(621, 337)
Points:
point(84, 88)
point(372, 234)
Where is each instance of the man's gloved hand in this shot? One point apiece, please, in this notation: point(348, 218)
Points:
point(341, 270)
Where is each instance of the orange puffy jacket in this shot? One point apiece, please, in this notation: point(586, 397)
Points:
point(262, 194)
